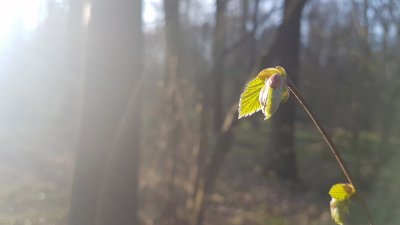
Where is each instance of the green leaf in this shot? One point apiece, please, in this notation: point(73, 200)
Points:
point(339, 210)
point(341, 192)
point(270, 98)
point(249, 103)
point(282, 71)
point(267, 73)
point(257, 96)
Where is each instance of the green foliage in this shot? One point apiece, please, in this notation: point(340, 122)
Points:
point(249, 103)
point(265, 92)
point(341, 194)
point(339, 210)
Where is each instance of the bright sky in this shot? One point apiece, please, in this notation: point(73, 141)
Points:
point(21, 14)
point(149, 10)
point(27, 14)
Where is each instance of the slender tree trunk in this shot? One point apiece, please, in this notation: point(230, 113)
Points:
point(217, 69)
point(113, 68)
point(285, 52)
point(253, 41)
point(173, 115)
point(219, 150)
point(200, 147)
point(206, 176)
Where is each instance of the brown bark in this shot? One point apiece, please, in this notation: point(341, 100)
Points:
point(113, 65)
point(285, 52)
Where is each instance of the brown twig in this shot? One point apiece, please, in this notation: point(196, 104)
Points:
point(331, 145)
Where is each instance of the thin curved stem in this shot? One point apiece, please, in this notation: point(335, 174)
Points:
point(331, 145)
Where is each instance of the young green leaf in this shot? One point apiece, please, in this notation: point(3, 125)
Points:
point(341, 191)
point(339, 210)
point(268, 72)
point(249, 103)
point(271, 95)
point(265, 92)
point(282, 71)
point(341, 194)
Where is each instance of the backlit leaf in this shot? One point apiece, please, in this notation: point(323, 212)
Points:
point(266, 73)
point(270, 98)
point(341, 191)
point(339, 210)
point(257, 96)
point(282, 71)
point(249, 103)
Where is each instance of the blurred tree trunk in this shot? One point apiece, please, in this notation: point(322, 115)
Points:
point(114, 65)
point(363, 67)
point(253, 41)
point(252, 54)
point(204, 182)
point(285, 52)
point(225, 127)
point(75, 60)
point(220, 149)
point(199, 155)
point(173, 107)
point(217, 69)
point(244, 6)
point(75, 30)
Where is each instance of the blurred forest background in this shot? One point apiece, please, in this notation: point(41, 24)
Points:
point(125, 111)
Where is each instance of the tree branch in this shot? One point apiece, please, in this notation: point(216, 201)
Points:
point(331, 145)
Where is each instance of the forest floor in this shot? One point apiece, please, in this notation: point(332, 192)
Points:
point(246, 196)
point(36, 172)
point(35, 169)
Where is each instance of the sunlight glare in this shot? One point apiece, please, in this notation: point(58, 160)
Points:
point(18, 14)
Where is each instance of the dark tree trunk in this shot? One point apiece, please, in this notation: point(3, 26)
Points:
point(172, 110)
point(114, 65)
point(285, 52)
point(253, 41)
point(217, 69)
point(173, 36)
